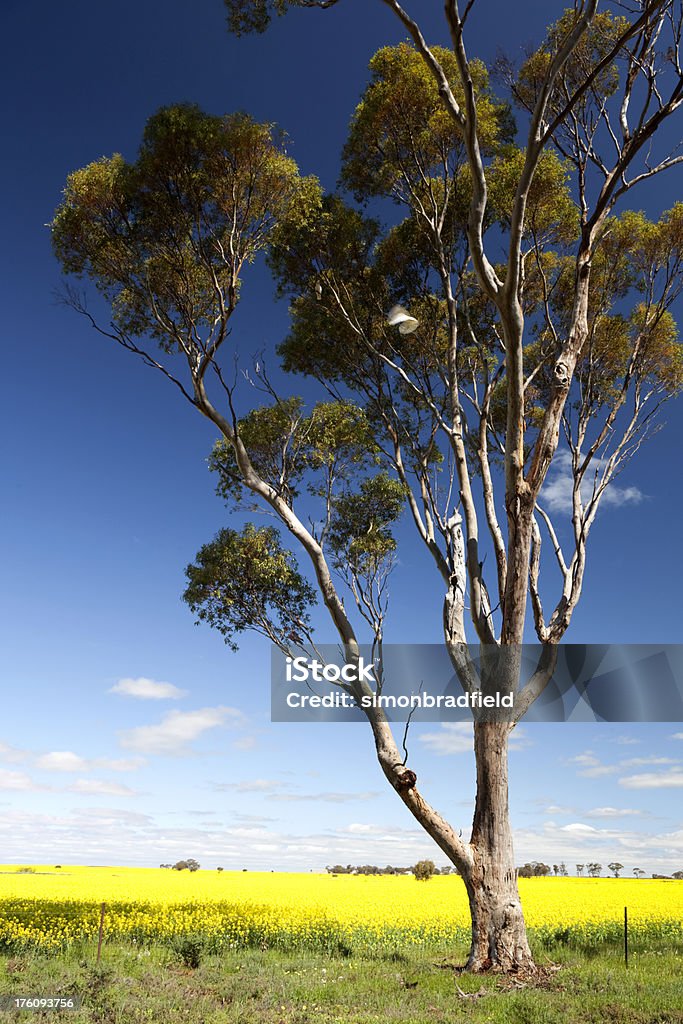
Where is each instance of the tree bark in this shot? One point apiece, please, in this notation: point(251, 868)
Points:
point(499, 940)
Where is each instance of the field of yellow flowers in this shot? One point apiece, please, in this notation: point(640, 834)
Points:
point(49, 908)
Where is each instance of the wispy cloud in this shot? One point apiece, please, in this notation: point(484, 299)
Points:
point(177, 730)
point(244, 743)
point(103, 816)
point(452, 738)
point(61, 761)
point(328, 798)
point(613, 812)
point(68, 761)
point(16, 780)
point(639, 762)
point(250, 786)
point(284, 792)
point(147, 689)
point(556, 494)
point(11, 755)
point(119, 764)
point(672, 779)
point(100, 787)
point(458, 738)
point(590, 766)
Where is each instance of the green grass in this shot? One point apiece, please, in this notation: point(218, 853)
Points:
point(156, 984)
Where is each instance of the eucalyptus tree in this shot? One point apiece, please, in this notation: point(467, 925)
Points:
point(449, 380)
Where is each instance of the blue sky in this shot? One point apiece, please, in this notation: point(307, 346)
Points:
point(107, 498)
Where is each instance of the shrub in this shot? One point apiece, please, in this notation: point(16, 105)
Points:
point(189, 949)
point(423, 870)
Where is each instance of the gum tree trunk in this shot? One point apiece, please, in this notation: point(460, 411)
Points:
point(499, 940)
point(486, 864)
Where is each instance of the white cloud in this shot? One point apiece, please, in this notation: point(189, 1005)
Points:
point(61, 761)
point(147, 689)
point(103, 816)
point(587, 759)
point(329, 798)
point(67, 761)
point(177, 730)
point(253, 819)
point(654, 780)
point(452, 738)
point(16, 780)
point(677, 736)
point(119, 764)
point(556, 494)
point(11, 754)
point(101, 787)
point(661, 853)
point(612, 812)
point(518, 739)
point(273, 789)
point(100, 835)
point(251, 785)
point(590, 766)
point(458, 738)
point(638, 762)
point(245, 743)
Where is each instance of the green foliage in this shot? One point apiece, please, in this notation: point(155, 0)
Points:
point(284, 445)
point(335, 247)
point(423, 870)
point(186, 865)
point(593, 47)
point(271, 436)
point(338, 434)
point(245, 16)
point(246, 580)
point(360, 536)
point(165, 238)
point(189, 950)
point(551, 216)
point(402, 140)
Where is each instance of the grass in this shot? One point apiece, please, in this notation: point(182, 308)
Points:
point(163, 983)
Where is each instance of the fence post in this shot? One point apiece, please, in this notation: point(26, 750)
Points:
point(626, 936)
point(99, 940)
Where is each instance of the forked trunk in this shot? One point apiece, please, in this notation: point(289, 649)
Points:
point(499, 940)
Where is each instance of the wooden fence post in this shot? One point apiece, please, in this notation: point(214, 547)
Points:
point(99, 940)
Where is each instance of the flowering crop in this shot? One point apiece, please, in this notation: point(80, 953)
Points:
point(49, 908)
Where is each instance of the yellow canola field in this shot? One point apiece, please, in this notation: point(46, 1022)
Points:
point(46, 907)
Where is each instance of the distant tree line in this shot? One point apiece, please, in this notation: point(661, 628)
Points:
point(184, 865)
point(537, 869)
point(422, 868)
